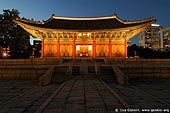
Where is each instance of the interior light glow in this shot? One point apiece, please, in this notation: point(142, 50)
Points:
point(84, 34)
point(90, 47)
point(79, 34)
point(77, 47)
point(88, 34)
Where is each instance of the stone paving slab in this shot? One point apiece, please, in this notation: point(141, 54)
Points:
point(13, 88)
point(145, 93)
point(157, 87)
point(26, 103)
point(81, 96)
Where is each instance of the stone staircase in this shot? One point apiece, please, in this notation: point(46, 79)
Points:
point(75, 70)
point(107, 74)
point(60, 74)
point(85, 71)
point(91, 70)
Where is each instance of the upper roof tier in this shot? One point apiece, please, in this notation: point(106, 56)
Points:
point(88, 23)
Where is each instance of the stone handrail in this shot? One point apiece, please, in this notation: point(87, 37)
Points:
point(45, 79)
point(106, 60)
point(97, 69)
point(120, 76)
point(70, 68)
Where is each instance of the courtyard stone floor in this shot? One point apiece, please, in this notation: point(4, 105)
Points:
point(85, 96)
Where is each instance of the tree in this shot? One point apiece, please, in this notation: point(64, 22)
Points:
point(146, 53)
point(133, 50)
point(12, 35)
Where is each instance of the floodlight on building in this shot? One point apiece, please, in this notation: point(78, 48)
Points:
point(155, 25)
point(5, 54)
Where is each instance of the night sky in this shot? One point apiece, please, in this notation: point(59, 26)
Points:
point(126, 9)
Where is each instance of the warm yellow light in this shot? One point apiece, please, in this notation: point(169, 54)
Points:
point(79, 34)
point(88, 34)
point(77, 48)
point(4, 54)
point(90, 47)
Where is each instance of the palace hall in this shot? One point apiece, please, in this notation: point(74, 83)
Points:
point(84, 37)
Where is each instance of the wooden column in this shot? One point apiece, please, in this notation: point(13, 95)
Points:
point(110, 49)
point(58, 48)
point(125, 48)
point(94, 49)
point(42, 48)
point(74, 49)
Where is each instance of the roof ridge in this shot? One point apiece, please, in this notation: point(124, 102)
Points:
point(85, 19)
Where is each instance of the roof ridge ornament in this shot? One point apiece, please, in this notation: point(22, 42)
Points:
point(115, 14)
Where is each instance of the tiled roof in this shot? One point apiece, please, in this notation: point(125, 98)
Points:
point(92, 23)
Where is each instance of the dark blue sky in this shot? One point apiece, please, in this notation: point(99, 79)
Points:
point(125, 9)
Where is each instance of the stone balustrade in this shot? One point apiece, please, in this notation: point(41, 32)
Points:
point(122, 79)
point(45, 79)
point(36, 61)
point(137, 61)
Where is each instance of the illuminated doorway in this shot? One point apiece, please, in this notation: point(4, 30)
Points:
point(83, 50)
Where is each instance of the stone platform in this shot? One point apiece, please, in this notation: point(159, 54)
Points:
point(84, 96)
